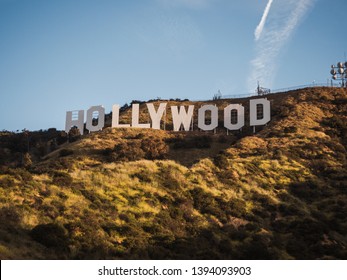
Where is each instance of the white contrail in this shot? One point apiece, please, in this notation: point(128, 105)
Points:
point(261, 24)
point(281, 21)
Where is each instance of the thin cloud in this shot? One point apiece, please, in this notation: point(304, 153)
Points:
point(282, 20)
point(261, 24)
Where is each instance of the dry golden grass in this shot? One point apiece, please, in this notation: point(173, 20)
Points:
point(278, 194)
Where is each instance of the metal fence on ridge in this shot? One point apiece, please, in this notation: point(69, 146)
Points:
point(282, 90)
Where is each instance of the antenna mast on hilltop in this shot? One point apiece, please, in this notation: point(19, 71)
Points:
point(262, 91)
point(339, 72)
point(217, 96)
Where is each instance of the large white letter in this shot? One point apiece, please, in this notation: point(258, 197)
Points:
point(115, 117)
point(156, 115)
point(182, 117)
point(265, 111)
point(240, 116)
point(202, 115)
point(101, 118)
point(135, 118)
point(79, 122)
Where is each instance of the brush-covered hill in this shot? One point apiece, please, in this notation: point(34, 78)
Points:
point(280, 193)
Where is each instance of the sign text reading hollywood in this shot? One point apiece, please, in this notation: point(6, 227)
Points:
point(182, 116)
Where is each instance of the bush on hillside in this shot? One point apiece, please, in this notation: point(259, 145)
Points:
point(128, 151)
point(290, 129)
point(7, 182)
point(62, 163)
point(50, 235)
point(308, 191)
point(198, 142)
point(65, 152)
point(135, 149)
point(62, 179)
point(154, 148)
point(208, 204)
point(221, 160)
point(19, 173)
point(62, 138)
point(143, 175)
point(9, 214)
point(74, 134)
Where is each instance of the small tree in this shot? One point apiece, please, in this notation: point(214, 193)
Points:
point(62, 138)
point(74, 134)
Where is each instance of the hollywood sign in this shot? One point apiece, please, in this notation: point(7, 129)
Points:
point(180, 116)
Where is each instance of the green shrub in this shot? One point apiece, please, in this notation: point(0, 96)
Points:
point(128, 151)
point(277, 154)
point(154, 148)
point(290, 129)
point(336, 122)
point(221, 160)
point(19, 173)
point(7, 182)
point(143, 175)
point(107, 152)
point(62, 163)
point(62, 179)
point(207, 204)
point(136, 149)
point(62, 138)
point(74, 134)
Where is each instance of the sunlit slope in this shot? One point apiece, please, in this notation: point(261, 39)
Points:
point(153, 194)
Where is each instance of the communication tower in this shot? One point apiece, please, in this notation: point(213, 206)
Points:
point(339, 72)
point(262, 91)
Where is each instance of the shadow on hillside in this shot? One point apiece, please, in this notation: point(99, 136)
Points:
point(16, 242)
point(193, 148)
point(307, 222)
point(293, 236)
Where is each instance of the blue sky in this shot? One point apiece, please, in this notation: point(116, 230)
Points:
point(60, 55)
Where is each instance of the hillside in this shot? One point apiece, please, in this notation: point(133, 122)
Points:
point(280, 193)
